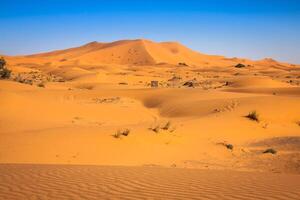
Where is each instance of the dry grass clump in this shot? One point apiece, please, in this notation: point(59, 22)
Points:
point(240, 65)
point(227, 145)
point(182, 64)
point(253, 116)
point(155, 128)
point(166, 126)
point(41, 85)
point(4, 72)
point(123, 132)
point(162, 126)
point(272, 151)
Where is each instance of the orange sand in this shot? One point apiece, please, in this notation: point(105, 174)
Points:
point(95, 90)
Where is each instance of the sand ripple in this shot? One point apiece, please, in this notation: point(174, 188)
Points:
point(101, 182)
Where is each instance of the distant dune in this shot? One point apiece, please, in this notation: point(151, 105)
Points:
point(138, 52)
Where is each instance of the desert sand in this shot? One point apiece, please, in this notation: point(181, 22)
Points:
point(85, 123)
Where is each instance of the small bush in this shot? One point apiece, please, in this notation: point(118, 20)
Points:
point(240, 65)
point(227, 145)
point(2, 63)
point(41, 85)
point(125, 132)
point(253, 116)
point(188, 84)
point(182, 64)
point(272, 151)
point(4, 72)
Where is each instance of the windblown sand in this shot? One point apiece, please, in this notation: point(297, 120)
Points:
point(99, 182)
point(94, 105)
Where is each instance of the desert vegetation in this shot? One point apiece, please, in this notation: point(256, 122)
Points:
point(240, 65)
point(4, 72)
point(227, 145)
point(121, 132)
point(253, 115)
point(165, 126)
point(270, 150)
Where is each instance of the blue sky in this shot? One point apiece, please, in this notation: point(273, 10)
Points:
point(234, 28)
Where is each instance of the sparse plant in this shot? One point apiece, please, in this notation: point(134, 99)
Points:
point(182, 64)
point(125, 132)
point(2, 63)
point(253, 116)
point(240, 65)
point(123, 83)
point(119, 133)
point(4, 72)
point(227, 145)
point(166, 126)
point(41, 84)
point(155, 128)
point(116, 135)
point(272, 151)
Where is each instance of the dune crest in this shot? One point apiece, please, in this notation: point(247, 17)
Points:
point(136, 52)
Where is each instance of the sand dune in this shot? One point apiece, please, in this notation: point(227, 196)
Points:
point(94, 105)
point(139, 52)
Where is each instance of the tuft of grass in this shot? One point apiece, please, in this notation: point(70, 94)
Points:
point(166, 126)
point(125, 132)
point(253, 116)
point(240, 65)
point(182, 64)
point(155, 129)
point(272, 151)
point(227, 145)
point(41, 84)
point(116, 135)
point(119, 133)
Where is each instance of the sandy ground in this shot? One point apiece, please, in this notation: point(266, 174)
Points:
point(102, 182)
point(94, 105)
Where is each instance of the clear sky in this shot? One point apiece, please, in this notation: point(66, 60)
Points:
point(234, 28)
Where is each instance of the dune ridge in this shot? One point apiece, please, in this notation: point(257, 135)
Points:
point(139, 52)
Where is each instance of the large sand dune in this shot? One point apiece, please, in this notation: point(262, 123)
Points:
point(94, 105)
